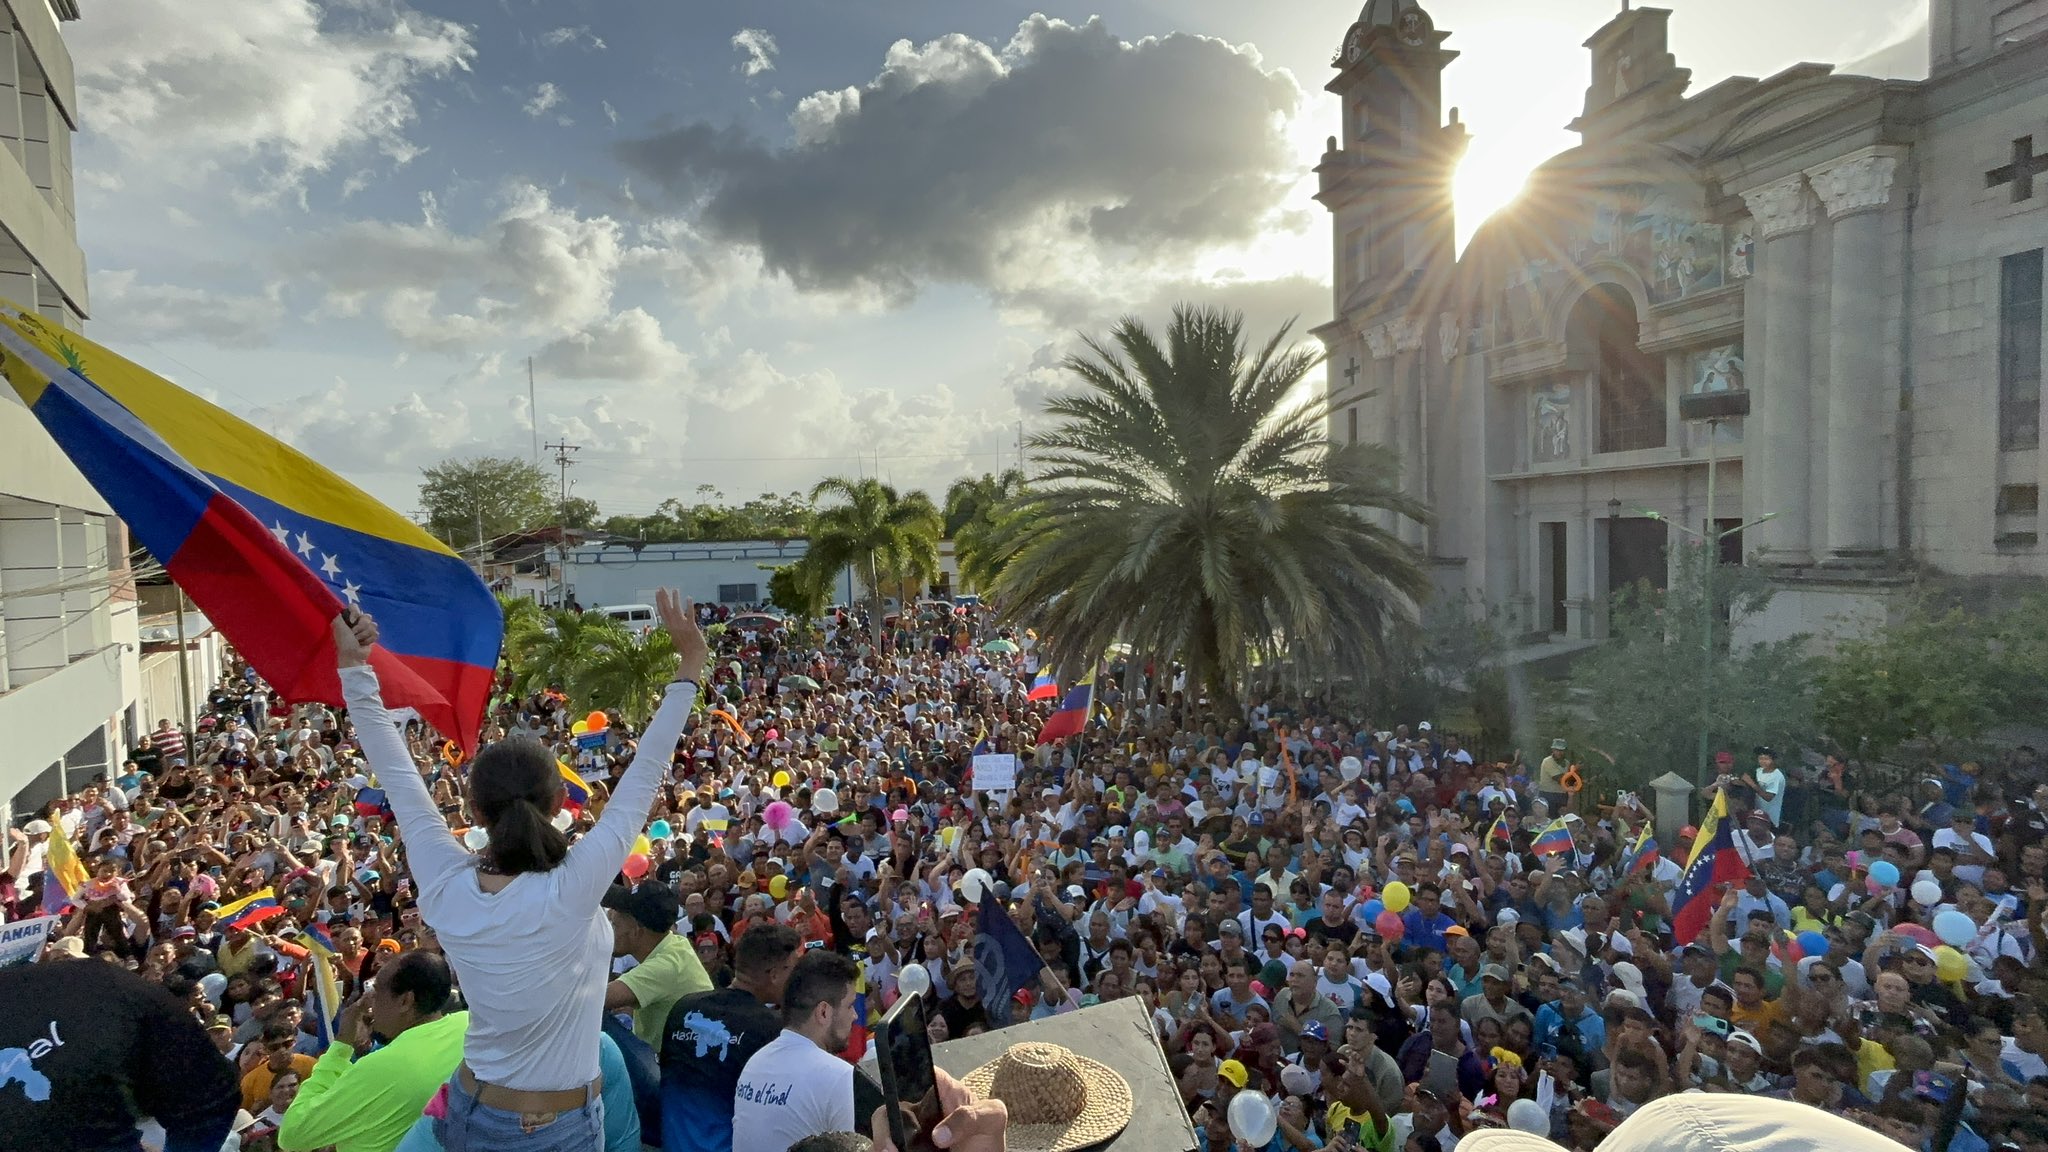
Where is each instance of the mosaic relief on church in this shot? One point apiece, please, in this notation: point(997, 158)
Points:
point(1650, 229)
point(1553, 424)
point(1717, 369)
point(1742, 251)
point(1523, 298)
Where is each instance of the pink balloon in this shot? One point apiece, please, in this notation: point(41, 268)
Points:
point(635, 866)
point(778, 815)
point(1389, 925)
point(1918, 934)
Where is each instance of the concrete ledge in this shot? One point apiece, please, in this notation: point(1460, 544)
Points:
point(46, 718)
point(47, 43)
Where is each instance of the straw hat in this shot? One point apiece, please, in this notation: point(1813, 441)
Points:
point(1058, 1101)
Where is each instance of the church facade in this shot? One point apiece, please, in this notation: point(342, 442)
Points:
point(1799, 317)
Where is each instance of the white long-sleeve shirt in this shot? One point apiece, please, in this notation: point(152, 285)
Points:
point(533, 957)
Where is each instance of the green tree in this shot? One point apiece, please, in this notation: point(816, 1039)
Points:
point(626, 672)
point(467, 502)
point(1636, 704)
point(888, 538)
point(976, 506)
point(1188, 503)
point(801, 589)
point(1937, 673)
point(576, 512)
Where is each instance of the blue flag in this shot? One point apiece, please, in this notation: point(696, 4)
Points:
point(1004, 961)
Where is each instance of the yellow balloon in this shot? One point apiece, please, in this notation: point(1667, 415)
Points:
point(640, 844)
point(579, 728)
point(778, 886)
point(1396, 896)
point(780, 780)
point(1950, 964)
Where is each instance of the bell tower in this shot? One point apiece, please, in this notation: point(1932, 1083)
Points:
point(1386, 182)
point(1387, 178)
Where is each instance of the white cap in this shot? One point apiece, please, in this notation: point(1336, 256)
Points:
point(36, 827)
point(1423, 727)
point(1507, 916)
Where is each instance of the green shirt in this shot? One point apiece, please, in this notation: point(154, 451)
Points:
point(369, 1103)
point(670, 972)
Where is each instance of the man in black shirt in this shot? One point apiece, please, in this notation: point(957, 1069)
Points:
point(710, 1036)
point(87, 1049)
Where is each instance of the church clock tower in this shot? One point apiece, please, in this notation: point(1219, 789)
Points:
point(1387, 184)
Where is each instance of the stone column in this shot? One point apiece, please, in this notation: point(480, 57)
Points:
point(1774, 457)
point(1855, 188)
point(1407, 380)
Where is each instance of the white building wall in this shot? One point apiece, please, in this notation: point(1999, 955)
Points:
point(68, 670)
point(599, 576)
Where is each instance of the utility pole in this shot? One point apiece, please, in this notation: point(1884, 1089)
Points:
point(532, 411)
point(184, 674)
point(563, 452)
point(1022, 467)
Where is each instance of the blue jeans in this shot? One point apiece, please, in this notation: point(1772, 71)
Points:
point(473, 1127)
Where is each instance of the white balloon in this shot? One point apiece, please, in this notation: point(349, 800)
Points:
point(474, 839)
point(825, 802)
point(914, 980)
point(1926, 893)
point(1528, 1116)
point(563, 819)
point(974, 883)
point(1253, 1118)
point(1350, 767)
point(213, 984)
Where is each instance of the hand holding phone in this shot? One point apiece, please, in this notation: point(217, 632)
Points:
point(903, 1055)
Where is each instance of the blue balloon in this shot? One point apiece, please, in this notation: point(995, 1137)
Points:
point(660, 830)
point(1885, 872)
point(1373, 908)
point(1813, 943)
point(1954, 928)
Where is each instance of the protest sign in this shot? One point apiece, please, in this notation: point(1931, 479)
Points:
point(22, 941)
point(995, 772)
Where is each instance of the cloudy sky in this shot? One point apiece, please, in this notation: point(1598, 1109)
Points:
point(751, 243)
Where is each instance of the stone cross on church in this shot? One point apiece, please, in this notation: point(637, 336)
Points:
point(2021, 172)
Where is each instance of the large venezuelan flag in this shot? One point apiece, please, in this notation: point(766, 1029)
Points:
point(1072, 714)
point(1714, 863)
point(270, 545)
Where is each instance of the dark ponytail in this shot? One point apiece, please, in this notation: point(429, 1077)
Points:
point(515, 789)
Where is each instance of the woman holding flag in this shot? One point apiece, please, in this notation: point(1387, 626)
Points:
point(521, 920)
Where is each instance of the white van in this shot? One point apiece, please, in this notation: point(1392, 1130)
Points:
point(638, 618)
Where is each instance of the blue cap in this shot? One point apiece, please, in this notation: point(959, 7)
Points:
point(1313, 1030)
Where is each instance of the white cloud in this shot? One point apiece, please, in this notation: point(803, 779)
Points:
point(545, 99)
point(610, 113)
point(581, 34)
point(126, 308)
point(282, 88)
point(627, 346)
point(758, 50)
point(537, 270)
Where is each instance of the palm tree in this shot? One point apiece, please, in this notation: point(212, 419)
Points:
point(886, 537)
point(523, 620)
point(1188, 505)
point(566, 645)
point(975, 505)
point(626, 672)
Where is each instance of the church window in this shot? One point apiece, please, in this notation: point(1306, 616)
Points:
point(2019, 350)
point(1351, 424)
point(1361, 118)
point(1630, 382)
point(1354, 256)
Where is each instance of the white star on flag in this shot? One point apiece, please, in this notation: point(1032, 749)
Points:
point(282, 533)
point(328, 567)
point(349, 592)
point(305, 544)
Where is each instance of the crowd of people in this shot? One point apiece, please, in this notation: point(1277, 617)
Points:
point(1396, 941)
